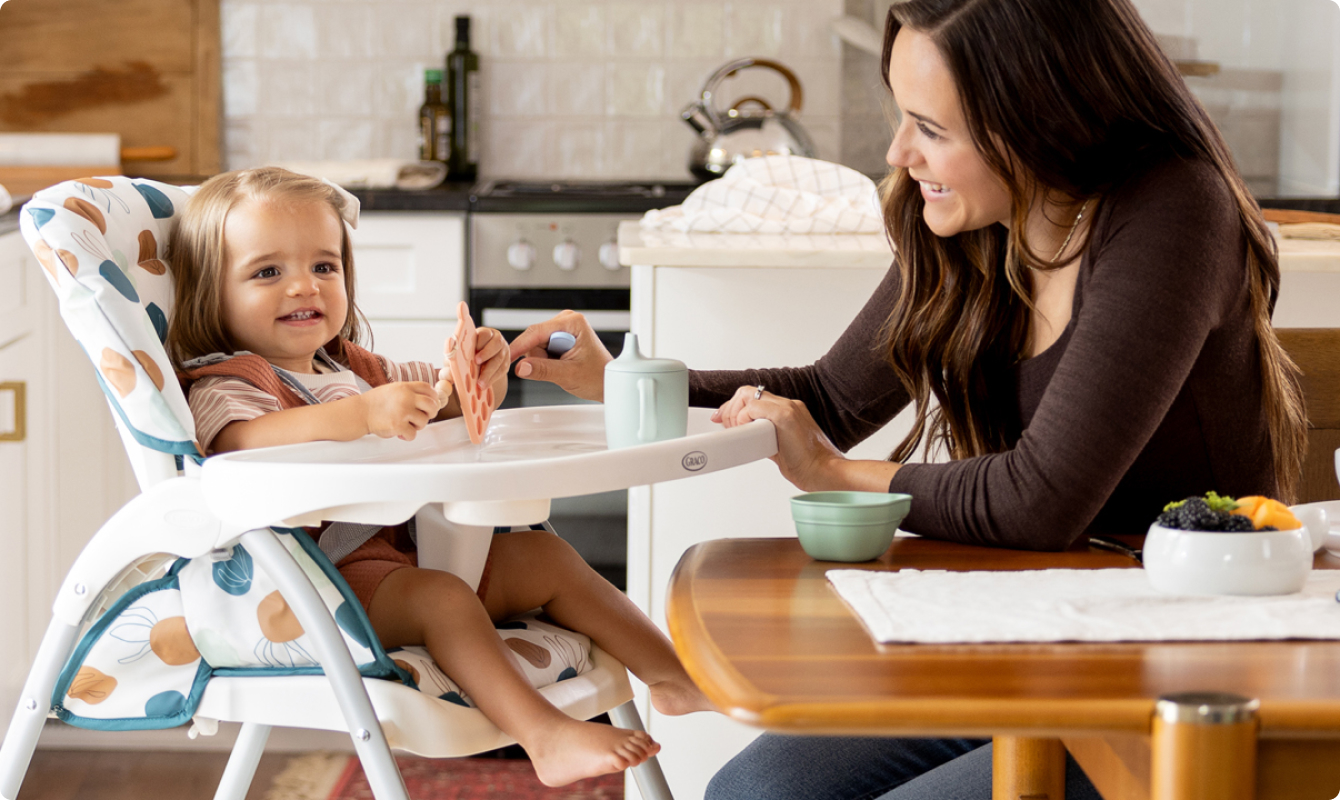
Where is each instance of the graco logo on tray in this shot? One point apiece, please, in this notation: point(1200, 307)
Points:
point(694, 461)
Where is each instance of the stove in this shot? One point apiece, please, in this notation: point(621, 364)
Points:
point(564, 196)
point(536, 248)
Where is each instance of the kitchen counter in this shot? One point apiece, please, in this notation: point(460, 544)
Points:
point(447, 197)
point(848, 251)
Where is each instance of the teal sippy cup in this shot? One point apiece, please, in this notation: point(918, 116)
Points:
point(646, 399)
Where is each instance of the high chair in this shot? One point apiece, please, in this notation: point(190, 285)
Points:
point(99, 241)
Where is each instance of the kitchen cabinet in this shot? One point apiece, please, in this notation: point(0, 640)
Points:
point(64, 477)
point(410, 271)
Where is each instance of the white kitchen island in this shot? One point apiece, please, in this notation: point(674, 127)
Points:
point(730, 301)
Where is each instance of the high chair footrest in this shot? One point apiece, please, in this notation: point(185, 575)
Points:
point(414, 722)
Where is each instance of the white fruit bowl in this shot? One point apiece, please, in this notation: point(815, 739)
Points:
point(1220, 562)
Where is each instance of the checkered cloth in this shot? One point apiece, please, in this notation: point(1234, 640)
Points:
point(777, 194)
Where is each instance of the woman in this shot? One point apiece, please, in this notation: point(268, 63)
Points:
point(1083, 286)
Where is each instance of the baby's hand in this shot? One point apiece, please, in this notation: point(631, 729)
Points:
point(400, 409)
point(443, 387)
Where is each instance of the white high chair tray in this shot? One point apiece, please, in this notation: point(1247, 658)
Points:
point(528, 456)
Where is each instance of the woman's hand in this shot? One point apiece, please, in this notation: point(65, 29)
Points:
point(401, 408)
point(493, 357)
point(579, 372)
point(805, 456)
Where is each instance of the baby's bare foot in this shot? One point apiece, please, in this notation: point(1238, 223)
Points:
point(677, 696)
point(577, 750)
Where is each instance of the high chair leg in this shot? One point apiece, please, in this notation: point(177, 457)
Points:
point(650, 780)
point(242, 762)
point(369, 739)
point(34, 702)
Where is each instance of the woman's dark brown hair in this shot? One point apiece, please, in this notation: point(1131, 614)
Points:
point(196, 253)
point(1064, 99)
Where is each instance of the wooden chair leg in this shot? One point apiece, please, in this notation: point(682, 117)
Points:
point(1027, 769)
point(1203, 745)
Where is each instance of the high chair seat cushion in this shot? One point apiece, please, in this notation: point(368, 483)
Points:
point(145, 663)
point(101, 243)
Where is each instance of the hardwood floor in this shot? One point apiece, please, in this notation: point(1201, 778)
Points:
point(136, 775)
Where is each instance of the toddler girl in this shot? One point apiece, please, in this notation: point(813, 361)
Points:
point(265, 332)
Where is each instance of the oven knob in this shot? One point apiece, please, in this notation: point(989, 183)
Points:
point(609, 256)
point(521, 255)
point(566, 255)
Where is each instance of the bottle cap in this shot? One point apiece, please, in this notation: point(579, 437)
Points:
point(463, 29)
point(432, 76)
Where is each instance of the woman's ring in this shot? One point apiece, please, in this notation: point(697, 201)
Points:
point(758, 393)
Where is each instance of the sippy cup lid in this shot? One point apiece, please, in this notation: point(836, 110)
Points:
point(632, 360)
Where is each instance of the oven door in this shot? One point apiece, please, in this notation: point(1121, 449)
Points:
point(513, 310)
point(595, 525)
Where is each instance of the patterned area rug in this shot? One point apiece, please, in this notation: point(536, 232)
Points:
point(337, 776)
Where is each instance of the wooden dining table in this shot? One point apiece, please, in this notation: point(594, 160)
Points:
point(766, 637)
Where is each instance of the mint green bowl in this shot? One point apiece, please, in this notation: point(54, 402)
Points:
point(848, 526)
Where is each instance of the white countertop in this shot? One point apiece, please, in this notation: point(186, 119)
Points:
point(673, 249)
point(846, 251)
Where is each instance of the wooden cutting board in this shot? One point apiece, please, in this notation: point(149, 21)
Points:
point(146, 69)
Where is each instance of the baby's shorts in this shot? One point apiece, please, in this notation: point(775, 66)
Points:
point(389, 550)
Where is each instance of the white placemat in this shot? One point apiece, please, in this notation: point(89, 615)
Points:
point(1056, 605)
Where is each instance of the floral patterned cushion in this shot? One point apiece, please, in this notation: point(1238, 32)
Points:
point(101, 242)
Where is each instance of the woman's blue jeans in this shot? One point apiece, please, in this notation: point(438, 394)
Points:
point(778, 767)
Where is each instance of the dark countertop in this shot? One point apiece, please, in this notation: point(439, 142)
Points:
point(1326, 205)
point(447, 197)
point(461, 197)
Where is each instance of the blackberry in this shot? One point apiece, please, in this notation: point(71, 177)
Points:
point(1196, 515)
point(1237, 523)
point(1170, 519)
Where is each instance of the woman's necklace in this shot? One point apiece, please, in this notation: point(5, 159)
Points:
point(1073, 226)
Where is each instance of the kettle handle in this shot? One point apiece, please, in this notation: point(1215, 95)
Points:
point(730, 68)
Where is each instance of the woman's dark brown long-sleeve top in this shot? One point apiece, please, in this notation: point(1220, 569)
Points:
point(1151, 394)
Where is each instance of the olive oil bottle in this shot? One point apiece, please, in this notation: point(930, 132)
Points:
point(434, 120)
point(463, 98)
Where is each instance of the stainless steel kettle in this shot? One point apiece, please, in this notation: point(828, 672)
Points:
point(750, 127)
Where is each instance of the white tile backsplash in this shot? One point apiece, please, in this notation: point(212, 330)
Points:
point(398, 91)
point(289, 140)
point(575, 88)
point(634, 89)
point(579, 149)
point(696, 30)
point(520, 30)
point(344, 32)
point(287, 30)
point(238, 30)
point(636, 30)
point(405, 30)
point(578, 89)
point(580, 32)
point(517, 89)
point(287, 89)
point(240, 88)
point(344, 90)
point(339, 140)
point(756, 29)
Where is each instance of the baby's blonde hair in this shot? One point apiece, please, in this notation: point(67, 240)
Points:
point(197, 258)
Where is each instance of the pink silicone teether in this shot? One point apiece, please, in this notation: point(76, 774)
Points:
point(476, 405)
